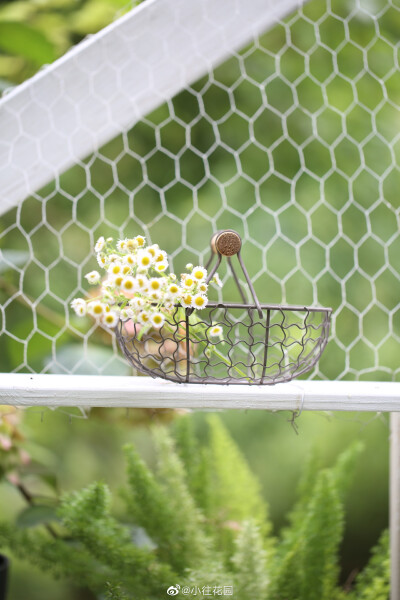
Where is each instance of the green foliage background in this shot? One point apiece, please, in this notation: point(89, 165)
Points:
point(176, 527)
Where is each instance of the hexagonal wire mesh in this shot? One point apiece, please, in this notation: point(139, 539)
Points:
point(293, 142)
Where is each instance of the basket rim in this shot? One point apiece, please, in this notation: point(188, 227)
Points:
point(297, 307)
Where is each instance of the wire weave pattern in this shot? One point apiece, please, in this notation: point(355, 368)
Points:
point(284, 344)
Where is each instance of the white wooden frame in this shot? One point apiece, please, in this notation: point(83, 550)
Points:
point(65, 113)
point(24, 389)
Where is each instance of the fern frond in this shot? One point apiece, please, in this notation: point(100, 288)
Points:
point(188, 520)
point(237, 494)
point(86, 516)
point(322, 534)
point(250, 562)
point(374, 581)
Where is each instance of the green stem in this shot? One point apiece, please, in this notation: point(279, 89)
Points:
point(212, 348)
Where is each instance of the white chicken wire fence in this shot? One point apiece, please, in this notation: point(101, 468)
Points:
point(293, 141)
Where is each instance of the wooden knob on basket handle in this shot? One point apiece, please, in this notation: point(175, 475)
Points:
point(226, 243)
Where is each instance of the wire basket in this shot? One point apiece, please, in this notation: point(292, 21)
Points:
point(256, 344)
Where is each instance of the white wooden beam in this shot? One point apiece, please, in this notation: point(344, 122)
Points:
point(395, 506)
point(114, 78)
point(80, 390)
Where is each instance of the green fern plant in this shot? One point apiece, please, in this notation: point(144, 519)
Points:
point(199, 519)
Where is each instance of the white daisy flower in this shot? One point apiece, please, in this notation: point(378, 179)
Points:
point(157, 320)
point(93, 277)
point(118, 280)
point(203, 287)
point(160, 256)
point(144, 259)
point(186, 301)
point(142, 283)
point(188, 283)
point(136, 302)
point(102, 260)
point(144, 317)
point(217, 280)
point(131, 244)
point(173, 290)
point(169, 304)
point(155, 296)
point(172, 276)
point(155, 284)
point(199, 301)
point(96, 309)
point(110, 319)
point(215, 331)
point(154, 250)
point(189, 266)
point(79, 306)
point(115, 268)
point(129, 259)
point(80, 310)
point(199, 274)
point(140, 240)
point(121, 245)
point(128, 284)
point(99, 246)
point(161, 266)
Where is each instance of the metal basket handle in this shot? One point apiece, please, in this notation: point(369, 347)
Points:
point(228, 243)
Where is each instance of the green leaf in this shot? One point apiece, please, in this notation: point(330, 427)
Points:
point(22, 40)
point(10, 259)
point(36, 515)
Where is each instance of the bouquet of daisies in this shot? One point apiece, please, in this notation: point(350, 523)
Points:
point(138, 287)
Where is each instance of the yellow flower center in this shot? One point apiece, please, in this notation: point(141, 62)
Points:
point(198, 274)
point(98, 309)
point(128, 284)
point(145, 261)
point(157, 319)
point(173, 289)
point(199, 301)
point(118, 280)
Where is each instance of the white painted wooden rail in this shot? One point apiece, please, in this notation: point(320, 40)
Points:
point(114, 78)
point(88, 390)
